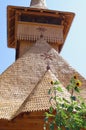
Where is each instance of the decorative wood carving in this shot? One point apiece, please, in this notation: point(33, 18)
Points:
point(32, 32)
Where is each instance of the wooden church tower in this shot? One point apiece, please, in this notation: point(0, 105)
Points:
point(27, 25)
point(38, 35)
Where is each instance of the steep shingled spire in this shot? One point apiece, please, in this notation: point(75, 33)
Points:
point(38, 4)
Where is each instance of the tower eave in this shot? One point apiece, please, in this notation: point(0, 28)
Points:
point(14, 11)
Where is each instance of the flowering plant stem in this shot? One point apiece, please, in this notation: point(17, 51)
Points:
point(66, 114)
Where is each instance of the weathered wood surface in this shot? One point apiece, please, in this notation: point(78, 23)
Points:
point(25, 121)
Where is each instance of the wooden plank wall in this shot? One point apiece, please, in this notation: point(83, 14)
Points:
point(25, 121)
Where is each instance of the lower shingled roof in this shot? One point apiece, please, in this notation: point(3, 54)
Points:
point(39, 98)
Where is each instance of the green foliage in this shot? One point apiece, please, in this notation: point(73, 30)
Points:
point(64, 114)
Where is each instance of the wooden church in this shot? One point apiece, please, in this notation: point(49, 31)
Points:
point(38, 35)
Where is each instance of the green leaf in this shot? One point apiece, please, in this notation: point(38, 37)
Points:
point(59, 99)
point(51, 126)
point(49, 91)
point(56, 82)
point(77, 108)
point(73, 98)
point(50, 99)
point(70, 109)
point(68, 87)
point(67, 128)
point(59, 89)
point(66, 101)
point(77, 89)
point(48, 114)
point(51, 109)
point(72, 81)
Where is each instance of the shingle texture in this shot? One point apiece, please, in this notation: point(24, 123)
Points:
point(39, 98)
point(25, 83)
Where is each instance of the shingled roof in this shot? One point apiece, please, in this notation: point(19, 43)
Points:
point(39, 98)
point(20, 84)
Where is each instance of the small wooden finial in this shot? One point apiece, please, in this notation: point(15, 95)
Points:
point(38, 4)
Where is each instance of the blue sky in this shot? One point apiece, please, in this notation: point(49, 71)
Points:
point(74, 50)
